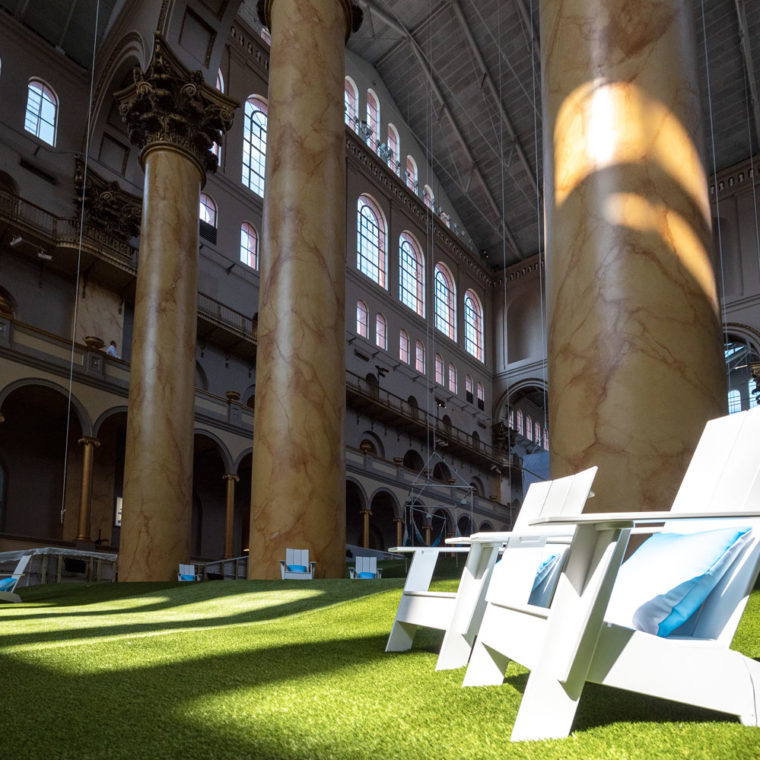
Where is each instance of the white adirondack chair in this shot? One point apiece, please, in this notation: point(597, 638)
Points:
point(459, 613)
point(365, 567)
point(296, 565)
point(8, 582)
point(571, 643)
point(187, 573)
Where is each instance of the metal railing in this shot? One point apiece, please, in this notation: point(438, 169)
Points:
point(215, 310)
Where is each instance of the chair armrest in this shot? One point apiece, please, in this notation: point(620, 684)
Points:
point(602, 520)
point(413, 549)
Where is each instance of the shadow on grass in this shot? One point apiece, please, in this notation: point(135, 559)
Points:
point(328, 593)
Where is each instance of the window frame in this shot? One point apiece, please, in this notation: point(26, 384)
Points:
point(411, 277)
point(381, 331)
point(474, 331)
point(351, 110)
point(362, 319)
point(255, 146)
point(34, 114)
point(444, 298)
point(419, 356)
point(403, 346)
point(371, 251)
point(248, 255)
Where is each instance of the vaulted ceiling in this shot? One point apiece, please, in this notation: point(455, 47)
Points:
point(466, 76)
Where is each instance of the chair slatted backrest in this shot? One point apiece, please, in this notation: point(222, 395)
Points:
point(297, 557)
point(366, 565)
point(724, 474)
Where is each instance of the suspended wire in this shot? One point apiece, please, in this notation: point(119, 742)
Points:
point(715, 173)
point(747, 98)
point(79, 263)
point(540, 229)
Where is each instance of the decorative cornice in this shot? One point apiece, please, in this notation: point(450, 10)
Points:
point(735, 179)
point(168, 104)
point(107, 207)
point(354, 15)
point(372, 166)
point(519, 271)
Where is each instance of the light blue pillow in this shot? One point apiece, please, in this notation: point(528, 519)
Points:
point(548, 563)
point(366, 575)
point(186, 577)
point(297, 568)
point(6, 583)
point(668, 577)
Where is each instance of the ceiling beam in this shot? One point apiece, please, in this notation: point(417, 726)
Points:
point(505, 120)
point(749, 69)
point(429, 19)
point(501, 227)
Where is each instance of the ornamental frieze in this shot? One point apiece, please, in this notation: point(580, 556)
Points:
point(170, 104)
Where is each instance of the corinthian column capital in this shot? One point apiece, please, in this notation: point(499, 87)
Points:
point(171, 107)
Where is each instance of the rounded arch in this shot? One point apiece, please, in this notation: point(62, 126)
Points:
point(221, 446)
point(201, 379)
point(516, 391)
point(103, 417)
point(444, 300)
point(477, 485)
point(375, 447)
point(8, 305)
point(485, 526)
point(441, 472)
point(464, 525)
point(371, 240)
point(743, 333)
point(83, 416)
point(385, 508)
point(356, 501)
point(413, 461)
point(8, 184)
point(245, 453)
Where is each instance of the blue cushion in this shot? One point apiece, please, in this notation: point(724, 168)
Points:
point(366, 575)
point(668, 577)
point(548, 563)
point(296, 568)
point(6, 583)
point(186, 577)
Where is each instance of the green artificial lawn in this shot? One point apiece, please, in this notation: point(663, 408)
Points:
point(294, 669)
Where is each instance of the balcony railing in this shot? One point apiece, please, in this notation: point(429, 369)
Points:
point(374, 395)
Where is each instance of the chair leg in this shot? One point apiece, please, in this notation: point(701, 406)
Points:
point(486, 667)
point(455, 651)
point(401, 637)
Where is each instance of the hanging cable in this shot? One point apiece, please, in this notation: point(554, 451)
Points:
point(715, 179)
point(79, 263)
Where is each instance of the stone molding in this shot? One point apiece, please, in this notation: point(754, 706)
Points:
point(354, 15)
point(170, 105)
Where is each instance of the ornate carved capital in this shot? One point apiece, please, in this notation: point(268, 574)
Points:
point(106, 206)
point(170, 105)
point(354, 15)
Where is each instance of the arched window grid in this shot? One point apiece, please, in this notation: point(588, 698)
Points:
point(371, 253)
point(452, 378)
point(403, 346)
point(439, 369)
point(520, 421)
point(411, 174)
point(351, 102)
point(445, 304)
point(411, 285)
point(419, 356)
point(427, 196)
point(528, 427)
point(734, 401)
point(249, 245)
point(537, 432)
point(255, 144)
point(394, 157)
point(219, 80)
point(362, 319)
point(473, 325)
point(752, 388)
point(207, 210)
point(373, 120)
point(381, 332)
point(41, 117)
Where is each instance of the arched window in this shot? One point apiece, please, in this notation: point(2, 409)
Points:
point(351, 102)
point(481, 396)
point(752, 388)
point(371, 251)
point(249, 245)
point(537, 432)
point(373, 120)
point(520, 422)
point(219, 81)
point(439, 369)
point(445, 303)
point(452, 378)
point(381, 332)
point(511, 419)
point(468, 388)
point(207, 211)
point(528, 427)
point(411, 281)
point(427, 196)
point(473, 325)
point(411, 174)
point(734, 402)
point(403, 346)
point(419, 356)
point(362, 319)
point(41, 111)
point(394, 157)
point(255, 144)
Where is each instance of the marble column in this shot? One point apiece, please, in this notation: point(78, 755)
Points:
point(229, 520)
point(366, 514)
point(298, 473)
point(634, 345)
point(174, 118)
point(85, 500)
point(428, 528)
